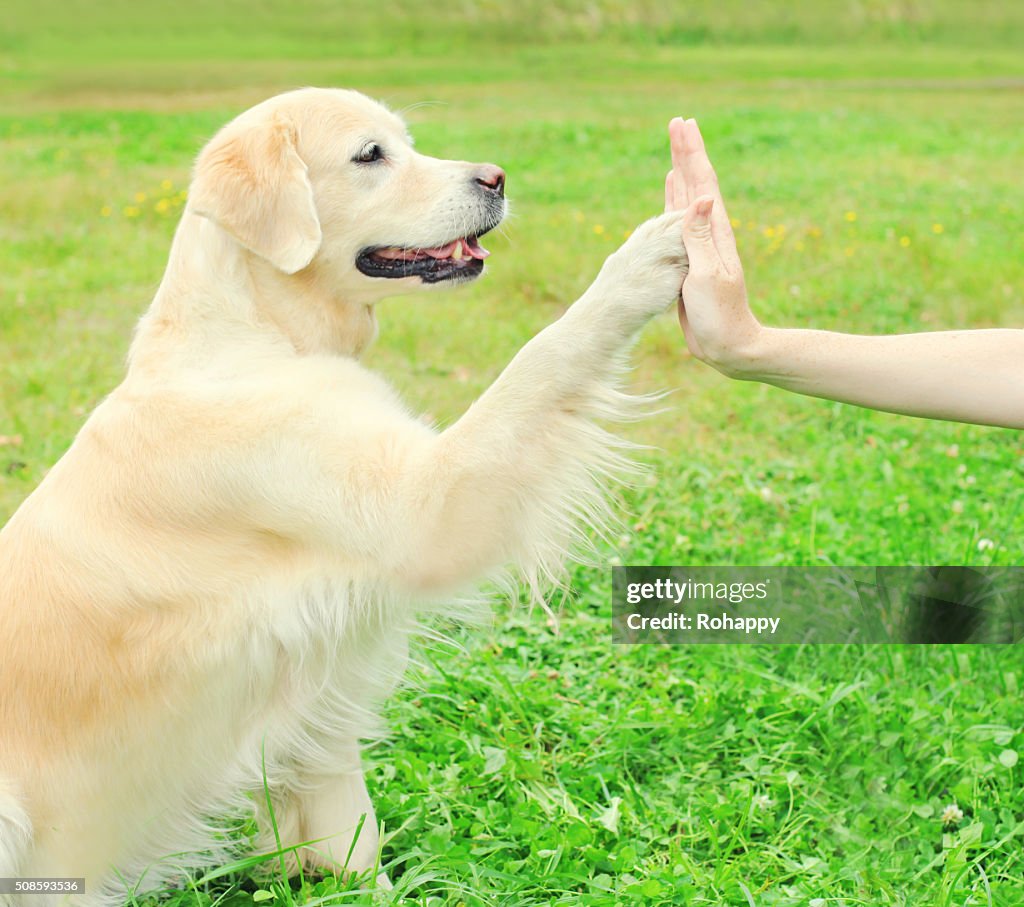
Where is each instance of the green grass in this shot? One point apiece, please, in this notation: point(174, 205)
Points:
point(535, 768)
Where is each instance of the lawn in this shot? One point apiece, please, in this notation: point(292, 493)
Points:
point(871, 162)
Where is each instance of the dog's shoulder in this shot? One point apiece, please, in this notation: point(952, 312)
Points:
point(192, 411)
point(244, 443)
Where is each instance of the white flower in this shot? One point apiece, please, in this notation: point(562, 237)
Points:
point(986, 544)
point(952, 814)
point(763, 801)
point(957, 507)
point(766, 493)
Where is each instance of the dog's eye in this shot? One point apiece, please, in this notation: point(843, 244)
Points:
point(369, 154)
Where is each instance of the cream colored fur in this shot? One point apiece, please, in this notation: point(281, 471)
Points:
point(217, 582)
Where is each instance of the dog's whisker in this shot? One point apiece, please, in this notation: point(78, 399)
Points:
point(420, 105)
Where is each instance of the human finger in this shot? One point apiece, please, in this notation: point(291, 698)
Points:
point(702, 180)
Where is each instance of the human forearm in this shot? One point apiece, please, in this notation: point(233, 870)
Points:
point(965, 376)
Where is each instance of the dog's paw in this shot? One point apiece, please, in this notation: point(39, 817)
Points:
point(646, 273)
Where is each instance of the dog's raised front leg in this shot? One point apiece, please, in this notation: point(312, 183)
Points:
point(515, 477)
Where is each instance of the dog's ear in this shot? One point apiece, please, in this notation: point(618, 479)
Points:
point(251, 181)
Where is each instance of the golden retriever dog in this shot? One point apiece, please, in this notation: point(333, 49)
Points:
point(204, 602)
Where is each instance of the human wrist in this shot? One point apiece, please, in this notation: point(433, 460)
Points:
point(747, 357)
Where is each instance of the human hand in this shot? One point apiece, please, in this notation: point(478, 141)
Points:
point(899, 373)
point(716, 320)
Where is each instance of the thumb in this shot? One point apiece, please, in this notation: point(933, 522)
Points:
point(700, 245)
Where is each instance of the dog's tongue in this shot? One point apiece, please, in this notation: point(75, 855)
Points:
point(443, 251)
point(470, 248)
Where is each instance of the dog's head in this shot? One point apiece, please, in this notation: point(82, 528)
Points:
point(329, 179)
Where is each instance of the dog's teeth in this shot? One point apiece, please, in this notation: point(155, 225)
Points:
point(457, 254)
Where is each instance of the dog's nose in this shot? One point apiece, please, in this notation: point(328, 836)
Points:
point(492, 178)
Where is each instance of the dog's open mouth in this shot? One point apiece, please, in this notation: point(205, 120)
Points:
point(459, 259)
